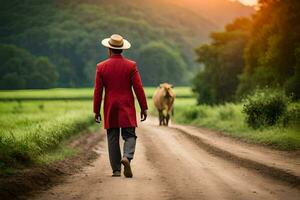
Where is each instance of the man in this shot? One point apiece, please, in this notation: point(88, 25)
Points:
point(118, 75)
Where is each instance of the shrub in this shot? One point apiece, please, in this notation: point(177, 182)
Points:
point(265, 107)
point(292, 117)
point(191, 113)
point(226, 112)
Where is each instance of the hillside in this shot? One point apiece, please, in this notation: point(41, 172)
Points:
point(68, 33)
point(219, 12)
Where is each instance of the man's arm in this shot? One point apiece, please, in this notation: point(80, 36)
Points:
point(98, 89)
point(139, 92)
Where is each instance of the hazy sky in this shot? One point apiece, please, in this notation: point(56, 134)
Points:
point(249, 2)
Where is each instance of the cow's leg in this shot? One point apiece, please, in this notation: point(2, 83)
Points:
point(164, 120)
point(160, 117)
point(167, 119)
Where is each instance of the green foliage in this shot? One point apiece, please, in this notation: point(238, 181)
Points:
point(230, 119)
point(19, 69)
point(223, 61)
point(192, 113)
point(292, 116)
point(159, 63)
point(265, 108)
point(272, 51)
point(292, 85)
point(252, 53)
point(223, 117)
point(31, 129)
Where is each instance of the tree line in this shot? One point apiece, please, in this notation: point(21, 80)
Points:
point(67, 34)
point(256, 52)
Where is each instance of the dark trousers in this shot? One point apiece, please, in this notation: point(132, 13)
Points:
point(113, 139)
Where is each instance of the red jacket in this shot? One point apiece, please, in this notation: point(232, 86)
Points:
point(118, 75)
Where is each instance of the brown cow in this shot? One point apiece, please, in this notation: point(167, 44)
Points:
point(163, 99)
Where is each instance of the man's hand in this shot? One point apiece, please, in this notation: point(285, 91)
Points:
point(97, 118)
point(143, 115)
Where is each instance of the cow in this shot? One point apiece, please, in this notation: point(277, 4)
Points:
point(163, 100)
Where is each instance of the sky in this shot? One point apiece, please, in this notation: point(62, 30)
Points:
point(249, 2)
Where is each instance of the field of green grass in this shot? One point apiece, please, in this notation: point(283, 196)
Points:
point(73, 94)
point(230, 120)
point(179, 103)
point(31, 129)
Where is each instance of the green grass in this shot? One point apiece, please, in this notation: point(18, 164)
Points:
point(178, 104)
point(33, 131)
point(57, 154)
point(230, 120)
point(29, 130)
point(73, 93)
point(181, 92)
point(47, 94)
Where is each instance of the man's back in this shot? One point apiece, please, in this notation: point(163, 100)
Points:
point(120, 69)
point(118, 75)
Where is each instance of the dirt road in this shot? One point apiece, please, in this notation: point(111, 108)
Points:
point(167, 165)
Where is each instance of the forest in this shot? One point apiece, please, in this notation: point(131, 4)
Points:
point(257, 52)
point(66, 34)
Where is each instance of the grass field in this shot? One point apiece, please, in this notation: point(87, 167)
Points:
point(31, 129)
point(178, 104)
point(73, 94)
point(230, 120)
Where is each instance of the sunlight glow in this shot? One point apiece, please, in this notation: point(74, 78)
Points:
point(249, 2)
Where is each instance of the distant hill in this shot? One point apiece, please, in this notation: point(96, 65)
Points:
point(68, 32)
point(219, 12)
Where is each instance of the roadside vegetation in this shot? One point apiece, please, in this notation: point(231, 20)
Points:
point(32, 131)
point(262, 118)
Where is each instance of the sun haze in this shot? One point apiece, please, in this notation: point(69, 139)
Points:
point(249, 2)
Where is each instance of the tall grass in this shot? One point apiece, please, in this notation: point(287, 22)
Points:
point(30, 129)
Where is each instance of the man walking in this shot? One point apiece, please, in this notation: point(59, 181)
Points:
point(118, 75)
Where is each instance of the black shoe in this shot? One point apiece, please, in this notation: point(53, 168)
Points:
point(127, 168)
point(116, 174)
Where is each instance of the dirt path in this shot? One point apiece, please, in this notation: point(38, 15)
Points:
point(167, 165)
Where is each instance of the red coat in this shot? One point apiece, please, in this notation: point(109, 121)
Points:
point(118, 75)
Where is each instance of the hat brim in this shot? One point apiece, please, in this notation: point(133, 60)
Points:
point(126, 44)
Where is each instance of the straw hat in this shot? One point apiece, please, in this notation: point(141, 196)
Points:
point(116, 42)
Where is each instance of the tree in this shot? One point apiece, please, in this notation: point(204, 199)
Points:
point(19, 69)
point(158, 63)
point(223, 61)
point(44, 75)
point(271, 52)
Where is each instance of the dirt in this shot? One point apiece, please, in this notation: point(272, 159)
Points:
point(281, 165)
point(168, 165)
point(21, 184)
